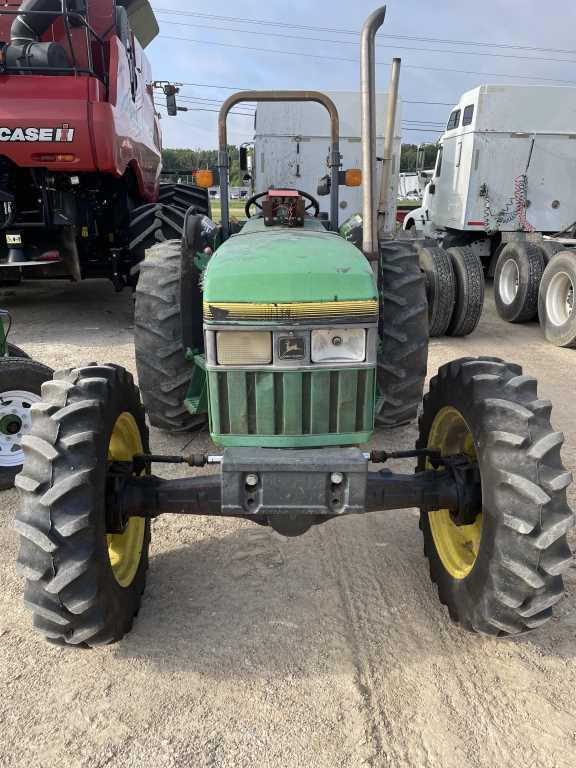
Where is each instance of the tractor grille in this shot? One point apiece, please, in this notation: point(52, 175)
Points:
point(280, 404)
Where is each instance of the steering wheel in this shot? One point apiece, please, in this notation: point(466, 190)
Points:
point(253, 201)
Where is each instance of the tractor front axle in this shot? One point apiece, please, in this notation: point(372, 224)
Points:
point(292, 489)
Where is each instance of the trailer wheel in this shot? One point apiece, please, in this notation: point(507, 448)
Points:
point(517, 280)
point(501, 573)
point(550, 249)
point(440, 280)
point(469, 291)
point(557, 300)
point(164, 371)
point(403, 354)
point(83, 585)
point(21, 382)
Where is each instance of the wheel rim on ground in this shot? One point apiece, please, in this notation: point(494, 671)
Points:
point(560, 299)
point(457, 545)
point(509, 281)
point(15, 422)
point(125, 549)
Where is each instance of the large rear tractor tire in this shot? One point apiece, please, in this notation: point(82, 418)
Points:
point(517, 280)
point(470, 284)
point(164, 371)
point(185, 195)
point(151, 224)
point(21, 382)
point(403, 354)
point(436, 265)
point(83, 585)
point(557, 300)
point(500, 573)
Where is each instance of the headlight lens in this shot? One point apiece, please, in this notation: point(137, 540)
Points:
point(339, 345)
point(244, 347)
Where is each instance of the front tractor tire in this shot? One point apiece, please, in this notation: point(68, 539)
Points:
point(499, 573)
point(403, 353)
point(83, 585)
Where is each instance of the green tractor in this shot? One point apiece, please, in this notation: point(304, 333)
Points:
point(290, 339)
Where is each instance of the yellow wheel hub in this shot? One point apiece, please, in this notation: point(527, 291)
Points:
point(457, 545)
point(125, 549)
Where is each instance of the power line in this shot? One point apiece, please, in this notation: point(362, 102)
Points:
point(341, 31)
point(357, 61)
point(202, 109)
point(419, 49)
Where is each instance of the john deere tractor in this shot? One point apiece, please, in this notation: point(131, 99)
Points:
point(290, 338)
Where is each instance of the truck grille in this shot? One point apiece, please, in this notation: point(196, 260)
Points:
point(280, 404)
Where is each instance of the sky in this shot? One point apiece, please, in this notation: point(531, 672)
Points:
point(221, 46)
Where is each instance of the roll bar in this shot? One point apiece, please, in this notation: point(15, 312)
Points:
point(261, 96)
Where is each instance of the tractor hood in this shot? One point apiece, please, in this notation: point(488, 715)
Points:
point(272, 265)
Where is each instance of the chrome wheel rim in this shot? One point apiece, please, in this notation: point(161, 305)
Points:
point(15, 422)
point(509, 281)
point(560, 299)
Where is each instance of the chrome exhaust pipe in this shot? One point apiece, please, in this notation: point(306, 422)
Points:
point(368, 95)
point(387, 224)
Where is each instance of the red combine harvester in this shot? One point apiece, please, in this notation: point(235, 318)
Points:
point(80, 142)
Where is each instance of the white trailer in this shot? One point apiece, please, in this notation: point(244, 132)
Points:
point(504, 184)
point(291, 146)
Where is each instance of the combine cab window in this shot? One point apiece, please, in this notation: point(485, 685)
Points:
point(454, 120)
point(468, 115)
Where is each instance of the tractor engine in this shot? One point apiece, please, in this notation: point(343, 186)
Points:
point(290, 324)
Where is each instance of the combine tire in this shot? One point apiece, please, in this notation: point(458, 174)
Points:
point(21, 382)
point(164, 372)
point(403, 355)
point(440, 288)
point(557, 300)
point(469, 292)
point(151, 224)
point(84, 585)
point(184, 196)
point(517, 280)
point(501, 573)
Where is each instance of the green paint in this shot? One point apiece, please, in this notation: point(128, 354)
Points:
point(288, 441)
point(265, 265)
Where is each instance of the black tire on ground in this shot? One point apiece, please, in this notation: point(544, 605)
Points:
point(14, 351)
point(21, 382)
point(403, 354)
point(151, 224)
point(503, 576)
point(76, 595)
point(185, 195)
point(440, 280)
point(517, 280)
point(164, 372)
point(470, 283)
point(557, 300)
point(550, 249)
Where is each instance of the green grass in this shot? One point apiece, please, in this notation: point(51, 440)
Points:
point(236, 210)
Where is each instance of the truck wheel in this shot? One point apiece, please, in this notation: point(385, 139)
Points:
point(440, 280)
point(21, 382)
point(550, 249)
point(151, 224)
point(516, 281)
point(469, 292)
point(164, 372)
point(557, 300)
point(83, 585)
point(185, 195)
point(501, 574)
point(403, 354)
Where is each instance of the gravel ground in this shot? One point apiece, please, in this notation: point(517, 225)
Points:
point(254, 651)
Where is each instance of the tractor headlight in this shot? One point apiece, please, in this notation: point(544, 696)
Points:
point(244, 347)
point(339, 345)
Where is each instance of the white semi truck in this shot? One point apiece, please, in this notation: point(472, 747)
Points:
point(504, 189)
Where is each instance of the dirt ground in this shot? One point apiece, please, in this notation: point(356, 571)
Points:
point(253, 651)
